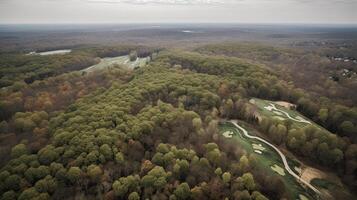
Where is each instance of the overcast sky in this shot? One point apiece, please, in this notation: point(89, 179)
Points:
point(187, 11)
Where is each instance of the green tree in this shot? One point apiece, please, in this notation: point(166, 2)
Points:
point(119, 158)
point(9, 195)
point(74, 174)
point(197, 123)
point(106, 151)
point(29, 193)
point(181, 168)
point(347, 127)
point(323, 114)
point(94, 172)
point(226, 177)
point(182, 191)
point(134, 196)
point(18, 150)
point(244, 163)
point(248, 181)
point(162, 148)
point(12, 182)
point(125, 185)
point(46, 185)
point(47, 155)
point(218, 171)
point(258, 196)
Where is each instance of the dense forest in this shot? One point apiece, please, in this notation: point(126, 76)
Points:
point(316, 70)
point(152, 132)
point(18, 68)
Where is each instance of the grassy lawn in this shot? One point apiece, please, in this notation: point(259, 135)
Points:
point(262, 104)
point(267, 160)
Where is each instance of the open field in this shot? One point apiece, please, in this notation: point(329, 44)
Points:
point(120, 60)
point(266, 108)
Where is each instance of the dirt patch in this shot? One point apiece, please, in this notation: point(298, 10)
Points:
point(286, 104)
point(309, 173)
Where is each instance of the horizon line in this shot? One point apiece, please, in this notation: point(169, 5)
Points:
point(143, 23)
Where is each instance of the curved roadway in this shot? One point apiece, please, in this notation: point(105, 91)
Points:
point(286, 165)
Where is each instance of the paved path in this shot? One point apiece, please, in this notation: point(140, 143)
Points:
point(283, 158)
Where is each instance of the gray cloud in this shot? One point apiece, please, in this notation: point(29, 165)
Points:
point(211, 2)
point(191, 11)
point(166, 2)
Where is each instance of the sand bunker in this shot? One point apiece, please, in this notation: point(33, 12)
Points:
point(270, 108)
point(228, 134)
point(278, 170)
point(298, 169)
point(258, 147)
point(258, 152)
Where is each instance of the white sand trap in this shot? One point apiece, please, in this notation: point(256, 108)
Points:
point(258, 152)
point(270, 108)
point(228, 134)
point(298, 169)
point(278, 170)
point(302, 119)
point(278, 113)
point(303, 197)
point(258, 147)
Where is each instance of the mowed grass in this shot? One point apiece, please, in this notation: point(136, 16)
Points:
point(265, 161)
point(263, 112)
point(120, 60)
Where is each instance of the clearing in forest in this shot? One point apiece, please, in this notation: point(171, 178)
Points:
point(120, 60)
point(277, 110)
